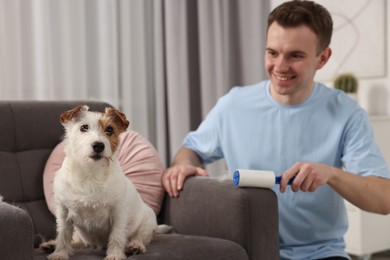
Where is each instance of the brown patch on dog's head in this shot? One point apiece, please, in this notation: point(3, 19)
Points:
point(71, 114)
point(118, 117)
point(113, 122)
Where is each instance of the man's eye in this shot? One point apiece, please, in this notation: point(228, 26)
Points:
point(109, 130)
point(84, 128)
point(297, 56)
point(272, 53)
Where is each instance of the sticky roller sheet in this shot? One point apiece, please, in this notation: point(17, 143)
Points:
point(256, 178)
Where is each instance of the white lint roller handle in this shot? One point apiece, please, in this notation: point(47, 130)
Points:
point(256, 178)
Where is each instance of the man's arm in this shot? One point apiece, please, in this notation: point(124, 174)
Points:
point(186, 163)
point(369, 193)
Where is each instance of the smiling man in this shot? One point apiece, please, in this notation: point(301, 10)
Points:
point(295, 126)
point(291, 67)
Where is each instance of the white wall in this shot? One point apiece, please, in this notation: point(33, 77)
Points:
point(374, 93)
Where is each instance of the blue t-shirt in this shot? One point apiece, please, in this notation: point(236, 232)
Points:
point(251, 130)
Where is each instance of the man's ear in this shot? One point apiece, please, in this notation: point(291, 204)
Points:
point(324, 57)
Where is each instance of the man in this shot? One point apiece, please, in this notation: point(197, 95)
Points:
point(295, 127)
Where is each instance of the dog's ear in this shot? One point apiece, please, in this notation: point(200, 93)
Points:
point(70, 114)
point(120, 118)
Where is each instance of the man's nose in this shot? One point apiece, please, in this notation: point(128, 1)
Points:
point(281, 64)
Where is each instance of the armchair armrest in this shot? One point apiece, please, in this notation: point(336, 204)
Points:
point(16, 231)
point(216, 208)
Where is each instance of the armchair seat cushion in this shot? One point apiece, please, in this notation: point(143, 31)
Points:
point(172, 247)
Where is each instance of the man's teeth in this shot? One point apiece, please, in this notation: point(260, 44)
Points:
point(283, 78)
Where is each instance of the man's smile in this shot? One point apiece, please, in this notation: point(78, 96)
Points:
point(284, 78)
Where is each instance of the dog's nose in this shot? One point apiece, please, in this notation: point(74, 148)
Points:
point(98, 147)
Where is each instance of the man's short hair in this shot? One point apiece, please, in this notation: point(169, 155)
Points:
point(297, 12)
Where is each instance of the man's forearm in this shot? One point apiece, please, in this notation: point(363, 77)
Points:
point(369, 193)
point(187, 156)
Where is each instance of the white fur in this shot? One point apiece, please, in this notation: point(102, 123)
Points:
point(94, 198)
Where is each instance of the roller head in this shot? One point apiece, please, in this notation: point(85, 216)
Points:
point(254, 178)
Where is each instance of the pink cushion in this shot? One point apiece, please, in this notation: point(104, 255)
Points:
point(140, 163)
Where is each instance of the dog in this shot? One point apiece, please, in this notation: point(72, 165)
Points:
point(96, 205)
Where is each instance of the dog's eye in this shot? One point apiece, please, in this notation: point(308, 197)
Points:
point(84, 128)
point(109, 130)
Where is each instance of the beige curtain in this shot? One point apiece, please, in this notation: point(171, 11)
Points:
point(211, 46)
point(163, 62)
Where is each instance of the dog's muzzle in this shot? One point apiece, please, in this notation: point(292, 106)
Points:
point(98, 148)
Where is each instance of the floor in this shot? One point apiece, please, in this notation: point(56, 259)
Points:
point(377, 256)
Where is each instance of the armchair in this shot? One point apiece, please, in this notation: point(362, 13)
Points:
point(212, 219)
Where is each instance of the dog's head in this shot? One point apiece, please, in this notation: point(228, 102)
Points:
point(91, 136)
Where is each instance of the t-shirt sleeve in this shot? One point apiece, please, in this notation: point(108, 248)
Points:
point(361, 154)
point(206, 139)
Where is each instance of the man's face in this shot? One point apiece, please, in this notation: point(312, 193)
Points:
point(291, 60)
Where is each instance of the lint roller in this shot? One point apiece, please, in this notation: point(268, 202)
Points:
point(257, 178)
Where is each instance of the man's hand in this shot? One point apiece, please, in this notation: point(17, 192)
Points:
point(308, 176)
point(173, 178)
point(186, 163)
point(369, 193)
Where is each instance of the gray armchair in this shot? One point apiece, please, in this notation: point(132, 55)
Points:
point(212, 219)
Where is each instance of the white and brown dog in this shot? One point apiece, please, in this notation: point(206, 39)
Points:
point(96, 205)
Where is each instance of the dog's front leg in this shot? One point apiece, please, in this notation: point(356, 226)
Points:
point(118, 239)
point(65, 228)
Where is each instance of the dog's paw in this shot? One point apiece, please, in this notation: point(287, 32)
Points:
point(135, 248)
point(48, 247)
point(58, 256)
